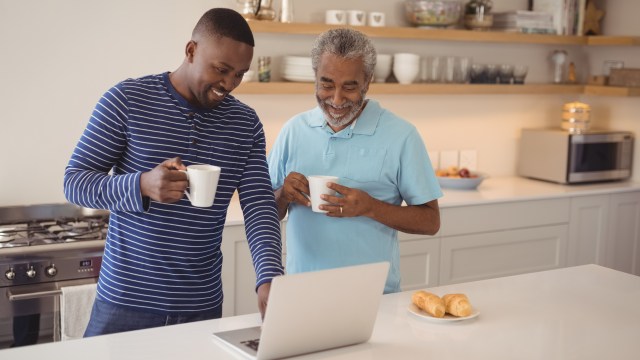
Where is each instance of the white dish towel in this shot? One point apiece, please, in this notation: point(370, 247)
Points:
point(75, 308)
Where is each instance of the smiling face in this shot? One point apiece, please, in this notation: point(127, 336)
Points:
point(213, 67)
point(340, 89)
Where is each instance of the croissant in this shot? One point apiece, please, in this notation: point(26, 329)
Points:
point(457, 304)
point(429, 302)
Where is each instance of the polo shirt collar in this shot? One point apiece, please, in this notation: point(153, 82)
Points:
point(365, 125)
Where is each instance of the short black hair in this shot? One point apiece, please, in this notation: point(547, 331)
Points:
point(224, 22)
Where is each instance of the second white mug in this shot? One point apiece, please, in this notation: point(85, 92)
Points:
point(317, 187)
point(203, 182)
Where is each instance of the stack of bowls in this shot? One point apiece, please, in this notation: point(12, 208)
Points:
point(383, 67)
point(406, 67)
point(297, 68)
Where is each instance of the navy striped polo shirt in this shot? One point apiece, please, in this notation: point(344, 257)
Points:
point(166, 258)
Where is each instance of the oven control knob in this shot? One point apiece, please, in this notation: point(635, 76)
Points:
point(10, 274)
point(51, 271)
point(31, 272)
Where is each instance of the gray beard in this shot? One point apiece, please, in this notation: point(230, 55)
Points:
point(349, 117)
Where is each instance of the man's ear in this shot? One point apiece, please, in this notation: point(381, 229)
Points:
point(190, 50)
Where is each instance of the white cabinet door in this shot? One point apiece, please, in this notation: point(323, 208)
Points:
point(419, 261)
point(501, 253)
point(623, 246)
point(588, 230)
point(238, 275)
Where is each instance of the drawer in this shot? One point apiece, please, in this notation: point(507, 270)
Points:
point(504, 216)
point(495, 254)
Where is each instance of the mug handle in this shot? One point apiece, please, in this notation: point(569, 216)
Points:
point(186, 192)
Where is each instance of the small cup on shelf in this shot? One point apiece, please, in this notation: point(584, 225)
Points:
point(477, 73)
point(449, 69)
point(433, 69)
point(505, 73)
point(376, 19)
point(463, 70)
point(491, 75)
point(335, 17)
point(519, 73)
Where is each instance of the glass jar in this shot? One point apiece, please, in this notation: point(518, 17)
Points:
point(264, 69)
point(477, 15)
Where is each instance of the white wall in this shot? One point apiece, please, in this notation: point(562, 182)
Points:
point(58, 57)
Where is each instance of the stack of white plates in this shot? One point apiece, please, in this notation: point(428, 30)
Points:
point(297, 68)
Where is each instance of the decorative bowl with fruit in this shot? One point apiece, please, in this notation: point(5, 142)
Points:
point(455, 178)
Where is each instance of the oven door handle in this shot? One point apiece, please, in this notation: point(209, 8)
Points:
point(33, 295)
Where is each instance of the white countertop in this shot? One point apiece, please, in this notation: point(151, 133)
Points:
point(499, 189)
point(584, 312)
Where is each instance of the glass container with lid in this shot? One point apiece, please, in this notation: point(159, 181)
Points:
point(477, 15)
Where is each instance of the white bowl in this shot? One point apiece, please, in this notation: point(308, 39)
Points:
point(383, 67)
point(461, 183)
point(406, 67)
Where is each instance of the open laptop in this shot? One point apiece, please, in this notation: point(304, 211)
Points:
point(314, 311)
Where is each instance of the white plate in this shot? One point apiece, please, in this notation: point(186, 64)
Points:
point(447, 318)
point(298, 78)
point(299, 73)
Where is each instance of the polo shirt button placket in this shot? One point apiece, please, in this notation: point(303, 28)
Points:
point(329, 151)
point(192, 133)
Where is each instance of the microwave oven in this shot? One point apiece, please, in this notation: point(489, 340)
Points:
point(560, 156)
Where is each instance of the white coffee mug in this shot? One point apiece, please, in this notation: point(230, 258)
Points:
point(203, 182)
point(335, 17)
point(376, 18)
point(317, 187)
point(356, 17)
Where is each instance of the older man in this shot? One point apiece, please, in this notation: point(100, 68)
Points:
point(380, 159)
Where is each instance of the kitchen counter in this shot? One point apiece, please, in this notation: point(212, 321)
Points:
point(583, 312)
point(498, 190)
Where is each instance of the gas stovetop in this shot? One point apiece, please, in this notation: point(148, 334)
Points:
point(54, 231)
point(49, 243)
point(50, 224)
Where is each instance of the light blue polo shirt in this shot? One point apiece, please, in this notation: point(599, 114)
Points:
point(383, 155)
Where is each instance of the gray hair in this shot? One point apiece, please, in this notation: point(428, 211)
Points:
point(347, 44)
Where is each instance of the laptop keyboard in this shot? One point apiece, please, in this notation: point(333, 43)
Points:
point(251, 343)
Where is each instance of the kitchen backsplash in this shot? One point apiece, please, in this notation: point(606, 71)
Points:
point(488, 124)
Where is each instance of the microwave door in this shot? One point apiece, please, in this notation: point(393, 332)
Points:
point(596, 158)
point(593, 157)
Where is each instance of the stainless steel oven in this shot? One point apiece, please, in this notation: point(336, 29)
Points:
point(44, 248)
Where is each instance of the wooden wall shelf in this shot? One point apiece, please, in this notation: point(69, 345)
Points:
point(420, 34)
point(447, 34)
point(613, 40)
point(292, 88)
point(611, 91)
